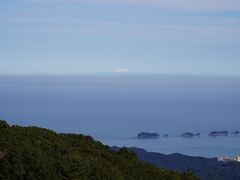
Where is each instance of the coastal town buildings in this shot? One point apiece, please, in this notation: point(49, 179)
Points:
point(229, 159)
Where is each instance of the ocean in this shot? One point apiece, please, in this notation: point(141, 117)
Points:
point(115, 108)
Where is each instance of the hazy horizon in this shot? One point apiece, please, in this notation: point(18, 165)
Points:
point(114, 109)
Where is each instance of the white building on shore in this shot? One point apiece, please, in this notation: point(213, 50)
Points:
point(229, 159)
point(238, 158)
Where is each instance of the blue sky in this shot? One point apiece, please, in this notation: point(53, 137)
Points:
point(140, 36)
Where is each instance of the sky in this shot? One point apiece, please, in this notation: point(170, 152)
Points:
point(199, 37)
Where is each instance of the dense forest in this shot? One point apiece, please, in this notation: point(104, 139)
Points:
point(32, 153)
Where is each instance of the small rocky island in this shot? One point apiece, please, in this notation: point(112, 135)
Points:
point(147, 135)
point(236, 132)
point(189, 134)
point(218, 133)
point(165, 135)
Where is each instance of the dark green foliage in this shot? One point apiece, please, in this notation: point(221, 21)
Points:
point(4, 124)
point(31, 153)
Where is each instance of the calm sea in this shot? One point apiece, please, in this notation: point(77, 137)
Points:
point(115, 108)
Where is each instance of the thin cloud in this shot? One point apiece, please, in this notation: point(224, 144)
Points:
point(121, 70)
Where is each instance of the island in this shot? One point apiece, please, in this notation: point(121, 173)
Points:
point(236, 132)
point(218, 133)
point(147, 135)
point(165, 135)
point(189, 134)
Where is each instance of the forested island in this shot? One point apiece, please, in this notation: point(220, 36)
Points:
point(147, 135)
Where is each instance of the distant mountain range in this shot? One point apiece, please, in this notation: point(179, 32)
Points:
point(204, 168)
